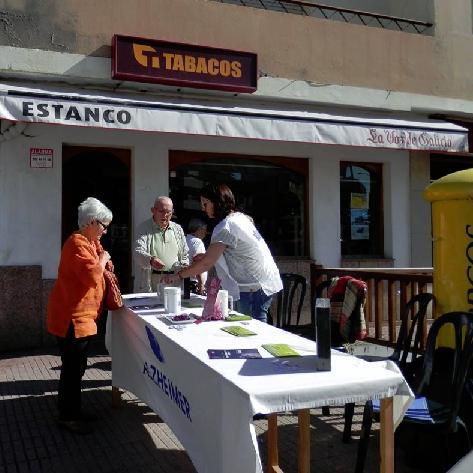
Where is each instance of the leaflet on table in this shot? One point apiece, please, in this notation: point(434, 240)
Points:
point(238, 331)
point(280, 349)
point(236, 317)
point(234, 354)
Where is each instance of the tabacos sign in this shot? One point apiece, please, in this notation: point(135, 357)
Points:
point(182, 65)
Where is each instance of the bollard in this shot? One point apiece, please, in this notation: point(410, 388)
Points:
point(452, 234)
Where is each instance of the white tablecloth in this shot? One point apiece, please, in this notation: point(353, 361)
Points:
point(209, 404)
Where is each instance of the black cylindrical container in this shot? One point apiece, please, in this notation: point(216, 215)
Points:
point(187, 288)
point(322, 327)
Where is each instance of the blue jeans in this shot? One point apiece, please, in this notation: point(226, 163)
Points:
point(255, 303)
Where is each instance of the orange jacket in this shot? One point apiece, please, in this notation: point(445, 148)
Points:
point(79, 290)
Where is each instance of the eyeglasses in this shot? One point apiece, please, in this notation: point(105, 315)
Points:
point(165, 212)
point(103, 225)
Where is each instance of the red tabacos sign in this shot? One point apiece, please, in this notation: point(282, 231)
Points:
point(182, 65)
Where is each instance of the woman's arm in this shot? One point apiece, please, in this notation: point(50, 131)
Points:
point(214, 251)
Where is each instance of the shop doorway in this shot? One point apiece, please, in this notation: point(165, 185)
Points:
point(103, 173)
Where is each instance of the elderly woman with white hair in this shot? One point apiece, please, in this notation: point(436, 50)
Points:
point(74, 306)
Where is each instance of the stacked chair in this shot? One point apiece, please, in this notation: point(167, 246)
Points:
point(407, 353)
point(434, 415)
point(408, 350)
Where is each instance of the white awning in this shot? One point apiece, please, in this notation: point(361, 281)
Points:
point(55, 106)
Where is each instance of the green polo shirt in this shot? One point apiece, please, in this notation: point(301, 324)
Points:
point(164, 246)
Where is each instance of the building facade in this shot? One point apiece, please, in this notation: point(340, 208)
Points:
point(329, 151)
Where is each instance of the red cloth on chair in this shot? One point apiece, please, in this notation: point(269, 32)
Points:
point(347, 299)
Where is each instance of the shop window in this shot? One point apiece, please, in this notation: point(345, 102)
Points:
point(272, 190)
point(361, 215)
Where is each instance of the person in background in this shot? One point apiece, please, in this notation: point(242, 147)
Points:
point(161, 247)
point(74, 306)
point(241, 257)
point(196, 232)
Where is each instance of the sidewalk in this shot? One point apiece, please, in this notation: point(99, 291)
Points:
point(133, 438)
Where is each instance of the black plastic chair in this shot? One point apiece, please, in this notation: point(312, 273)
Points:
point(439, 392)
point(289, 305)
point(407, 353)
point(408, 350)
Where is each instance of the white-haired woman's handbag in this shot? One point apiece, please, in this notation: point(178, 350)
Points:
point(113, 297)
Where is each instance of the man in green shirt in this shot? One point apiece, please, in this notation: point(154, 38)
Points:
point(161, 246)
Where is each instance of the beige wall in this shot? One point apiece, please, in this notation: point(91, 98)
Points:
point(288, 46)
point(420, 213)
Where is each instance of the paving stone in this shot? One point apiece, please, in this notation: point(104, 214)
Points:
point(133, 438)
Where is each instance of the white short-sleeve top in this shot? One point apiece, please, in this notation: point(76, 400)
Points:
point(246, 263)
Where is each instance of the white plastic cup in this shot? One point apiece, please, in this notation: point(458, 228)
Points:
point(222, 300)
point(160, 292)
point(166, 298)
point(173, 300)
point(230, 303)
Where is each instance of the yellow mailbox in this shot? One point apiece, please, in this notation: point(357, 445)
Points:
point(452, 231)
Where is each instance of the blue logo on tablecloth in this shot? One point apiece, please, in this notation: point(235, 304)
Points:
point(153, 343)
point(167, 385)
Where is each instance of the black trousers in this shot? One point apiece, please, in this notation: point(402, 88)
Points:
point(73, 353)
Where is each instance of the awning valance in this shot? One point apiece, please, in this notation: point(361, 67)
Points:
point(55, 106)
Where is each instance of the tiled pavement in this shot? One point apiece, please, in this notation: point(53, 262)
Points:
point(132, 438)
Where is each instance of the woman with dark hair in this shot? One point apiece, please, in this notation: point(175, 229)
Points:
point(241, 257)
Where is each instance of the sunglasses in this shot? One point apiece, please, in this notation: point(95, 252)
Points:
point(103, 225)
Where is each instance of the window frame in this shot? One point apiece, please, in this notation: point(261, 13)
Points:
point(379, 253)
point(298, 165)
